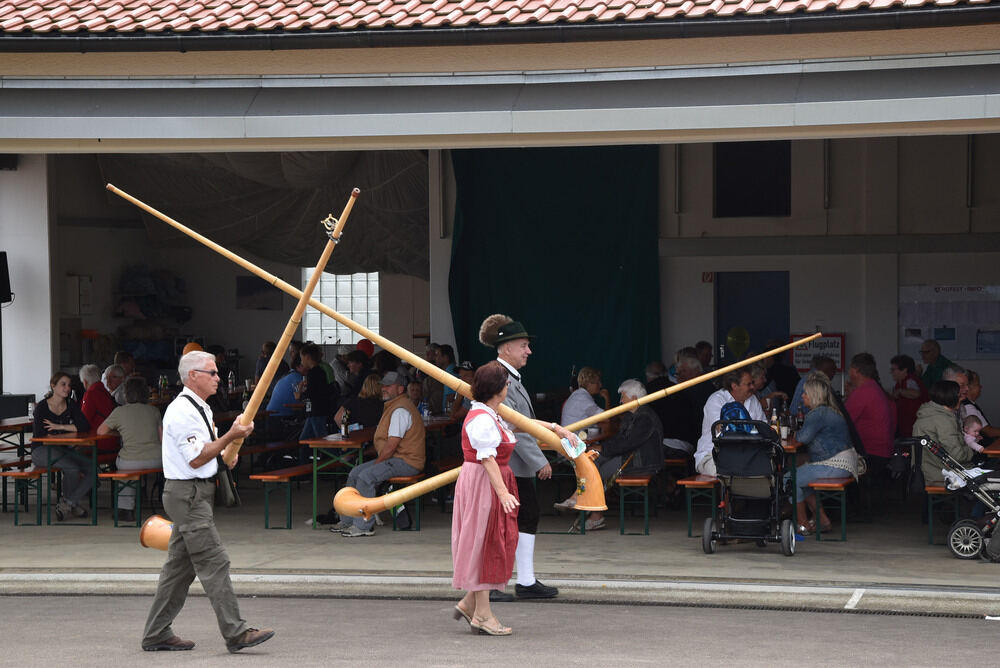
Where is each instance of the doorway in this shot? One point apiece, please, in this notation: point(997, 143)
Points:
point(757, 302)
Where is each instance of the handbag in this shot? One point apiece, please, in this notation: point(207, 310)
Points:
point(225, 485)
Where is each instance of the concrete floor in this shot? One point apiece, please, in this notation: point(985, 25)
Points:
point(888, 558)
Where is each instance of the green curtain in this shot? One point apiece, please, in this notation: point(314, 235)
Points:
point(563, 240)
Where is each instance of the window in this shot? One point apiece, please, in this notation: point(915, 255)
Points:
point(753, 178)
point(352, 295)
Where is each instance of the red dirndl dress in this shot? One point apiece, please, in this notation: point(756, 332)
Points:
point(483, 536)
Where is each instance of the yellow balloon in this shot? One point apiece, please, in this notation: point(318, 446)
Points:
point(738, 341)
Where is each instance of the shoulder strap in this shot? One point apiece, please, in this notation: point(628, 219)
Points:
point(201, 411)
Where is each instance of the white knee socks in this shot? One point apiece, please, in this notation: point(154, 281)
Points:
point(525, 558)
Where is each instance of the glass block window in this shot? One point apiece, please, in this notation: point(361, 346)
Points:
point(351, 295)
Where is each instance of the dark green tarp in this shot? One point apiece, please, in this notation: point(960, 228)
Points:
point(565, 241)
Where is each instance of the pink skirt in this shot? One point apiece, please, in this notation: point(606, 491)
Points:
point(470, 516)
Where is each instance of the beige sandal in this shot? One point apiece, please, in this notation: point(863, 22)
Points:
point(480, 624)
point(460, 612)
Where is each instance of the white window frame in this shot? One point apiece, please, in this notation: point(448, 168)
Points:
point(355, 296)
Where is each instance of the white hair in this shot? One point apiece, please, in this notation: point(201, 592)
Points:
point(193, 360)
point(951, 372)
point(632, 388)
point(115, 369)
point(90, 373)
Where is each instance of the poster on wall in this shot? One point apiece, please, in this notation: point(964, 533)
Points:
point(963, 319)
point(831, 345)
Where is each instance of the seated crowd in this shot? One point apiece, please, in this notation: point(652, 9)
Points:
point(360, 388)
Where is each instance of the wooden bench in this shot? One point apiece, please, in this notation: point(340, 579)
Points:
point(24, 482)
point(266, 449)
point(633, 486)
point(938, 496)
point(128, 479)
point(280, 477)
point(836, 489)
point(19, 464)
point(698, 486)
point(406, 481)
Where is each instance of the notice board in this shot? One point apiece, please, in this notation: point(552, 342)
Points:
point(964, 319)
point(831, 345)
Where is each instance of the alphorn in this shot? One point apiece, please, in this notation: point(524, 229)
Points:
point(353, 503)
point(673, 389)
point(334, 228)
point(589, 488)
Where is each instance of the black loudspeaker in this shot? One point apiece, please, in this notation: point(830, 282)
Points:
point(5, 295)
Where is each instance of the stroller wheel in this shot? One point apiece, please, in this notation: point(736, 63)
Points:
point(787, 538)
point(708, 536)
point(965, 539)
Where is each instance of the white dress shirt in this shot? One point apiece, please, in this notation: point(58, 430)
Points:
point(184, 437)
point(713, 409)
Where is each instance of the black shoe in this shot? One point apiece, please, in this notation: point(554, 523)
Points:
point(497, 596)
point(126, 516)
point(537, 590)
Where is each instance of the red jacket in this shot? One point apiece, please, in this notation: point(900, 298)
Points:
point(97, 404)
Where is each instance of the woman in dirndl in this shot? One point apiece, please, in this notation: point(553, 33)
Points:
point(484, 520)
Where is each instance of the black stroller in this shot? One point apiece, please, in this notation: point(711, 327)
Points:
point(750, 464)
point(970, 538)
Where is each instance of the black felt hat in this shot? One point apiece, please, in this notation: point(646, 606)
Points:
point(512, 330)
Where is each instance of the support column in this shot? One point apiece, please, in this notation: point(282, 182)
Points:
point(30, 347)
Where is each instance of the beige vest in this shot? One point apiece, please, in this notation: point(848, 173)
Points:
point(411, 447)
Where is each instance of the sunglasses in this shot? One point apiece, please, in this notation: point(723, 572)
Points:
point(211, 372)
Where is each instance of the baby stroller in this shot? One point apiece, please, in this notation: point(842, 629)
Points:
point(970, 538)
point(750, 464)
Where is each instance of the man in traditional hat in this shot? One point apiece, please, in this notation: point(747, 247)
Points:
point(513, 349)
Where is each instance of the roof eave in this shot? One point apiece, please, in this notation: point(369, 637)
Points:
point(771, 24)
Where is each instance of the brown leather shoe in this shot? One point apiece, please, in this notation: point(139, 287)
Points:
point(171, 644)
point(249, 638)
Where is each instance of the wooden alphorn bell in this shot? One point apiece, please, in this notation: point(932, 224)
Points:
point(589, 489)
point(334, 228)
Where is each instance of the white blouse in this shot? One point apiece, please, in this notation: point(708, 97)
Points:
point(482, 431)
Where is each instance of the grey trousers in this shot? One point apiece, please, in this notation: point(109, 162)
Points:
point(194, 549)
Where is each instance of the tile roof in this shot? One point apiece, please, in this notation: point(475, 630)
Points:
point(109, 17)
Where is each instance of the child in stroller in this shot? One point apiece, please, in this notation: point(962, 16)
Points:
point(750, 464)
point(970, 538)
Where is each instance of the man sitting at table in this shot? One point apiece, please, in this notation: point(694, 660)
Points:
point(680, 413)
point(399, 444)
point(97, 401)
point(636, 450)
point(284, 422)
point(126, 361)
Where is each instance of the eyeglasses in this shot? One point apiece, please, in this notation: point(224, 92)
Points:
point(211, 372)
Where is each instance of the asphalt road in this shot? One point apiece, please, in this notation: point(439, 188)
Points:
point(105, 631)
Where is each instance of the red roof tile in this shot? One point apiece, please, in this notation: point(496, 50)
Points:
point(155, 16)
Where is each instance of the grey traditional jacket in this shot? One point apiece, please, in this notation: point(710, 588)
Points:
point(527, 457)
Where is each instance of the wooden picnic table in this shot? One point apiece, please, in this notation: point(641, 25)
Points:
point(89, 440)
point(15, 426)
point(333, 450)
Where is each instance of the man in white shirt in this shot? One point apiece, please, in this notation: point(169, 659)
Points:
point(190, 448)
point(736, 386)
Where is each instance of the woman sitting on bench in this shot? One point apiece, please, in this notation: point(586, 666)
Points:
point(141, 429)
point(828, 444)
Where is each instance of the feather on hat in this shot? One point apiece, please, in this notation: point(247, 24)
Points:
point(488, 330)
